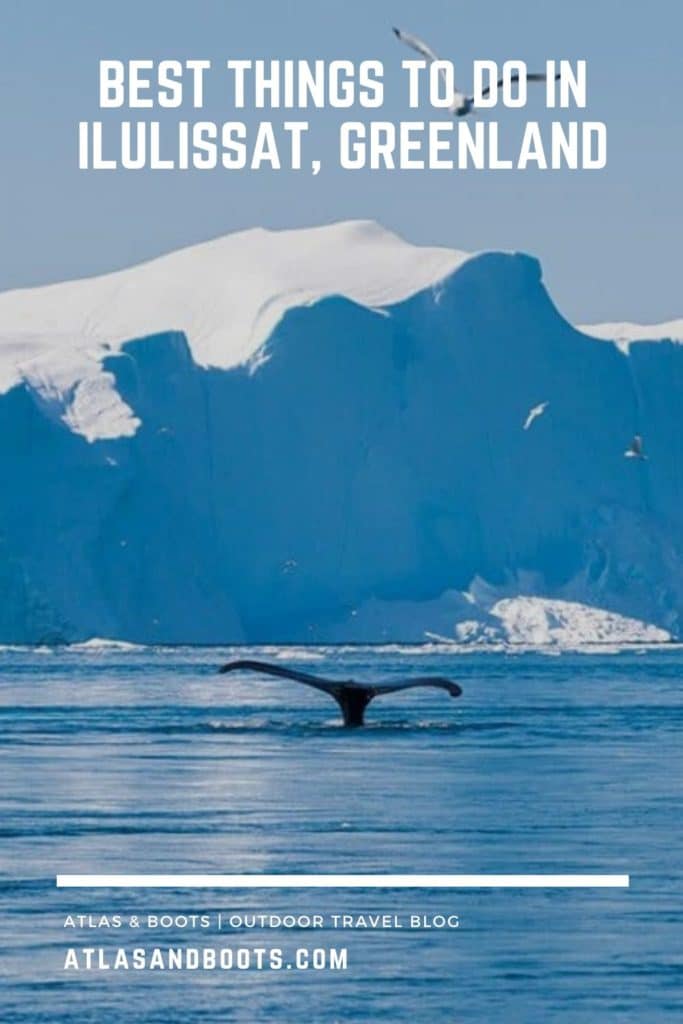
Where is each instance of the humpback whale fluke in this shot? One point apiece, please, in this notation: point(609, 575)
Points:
point(352, 697)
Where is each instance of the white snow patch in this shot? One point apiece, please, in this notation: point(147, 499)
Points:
point(539, 621)
point(100, 645)
point(481, 617)
point(69, 383)
point(625, 334)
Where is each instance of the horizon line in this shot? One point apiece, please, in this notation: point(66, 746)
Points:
point(344, 881)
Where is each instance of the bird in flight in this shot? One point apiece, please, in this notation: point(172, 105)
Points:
point(352, 697)
point(461, 104)
point(534, 413)
point(635, 449)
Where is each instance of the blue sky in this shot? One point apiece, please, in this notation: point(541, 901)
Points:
point(609, 241)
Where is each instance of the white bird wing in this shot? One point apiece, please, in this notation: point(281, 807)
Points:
point(415, 44)
point(534, 413)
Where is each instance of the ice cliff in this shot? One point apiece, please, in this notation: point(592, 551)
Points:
point(317, 435)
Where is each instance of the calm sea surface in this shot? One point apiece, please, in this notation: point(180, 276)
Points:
point(146, 760)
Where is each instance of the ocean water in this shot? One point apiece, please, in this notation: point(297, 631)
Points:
point(125, 760)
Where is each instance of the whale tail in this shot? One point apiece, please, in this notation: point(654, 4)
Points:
point(353, 701)
point(352, 697)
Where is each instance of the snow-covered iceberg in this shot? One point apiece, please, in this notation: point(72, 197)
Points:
point(266, 436)
point(540, 621)
point(523, 621)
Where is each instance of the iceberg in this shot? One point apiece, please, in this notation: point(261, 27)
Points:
point(273, 435)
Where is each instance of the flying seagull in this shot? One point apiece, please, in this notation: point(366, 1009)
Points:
point(534, 413)
point(462, 104)
point(635, 449)
point(352, 697)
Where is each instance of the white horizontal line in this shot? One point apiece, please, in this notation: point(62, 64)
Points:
point(375, 881)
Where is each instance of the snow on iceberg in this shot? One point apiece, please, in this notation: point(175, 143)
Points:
point(461, 618)
point(624, 334)
point(269, 436)
point(226, 296)
point(538, 621)
point(100, 645)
